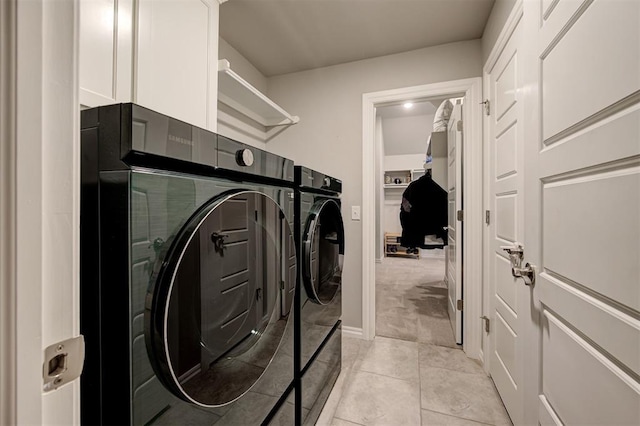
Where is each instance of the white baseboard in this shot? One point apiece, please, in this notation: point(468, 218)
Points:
point(352, 332)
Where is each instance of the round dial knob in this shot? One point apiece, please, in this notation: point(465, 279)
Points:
point(244, 157)
point(327, 182)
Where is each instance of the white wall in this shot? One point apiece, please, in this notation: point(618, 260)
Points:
point(241, 66)
point(406, 135)
point(329, 135)
point(393, 196)
point(391, 210)
point(231, 123)
point(497, 19)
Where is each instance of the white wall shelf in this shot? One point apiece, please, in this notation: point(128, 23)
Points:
point(237, 93)
point(403, 175)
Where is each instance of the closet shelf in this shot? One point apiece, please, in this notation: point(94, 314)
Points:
point(237, 93)
point(395, 185)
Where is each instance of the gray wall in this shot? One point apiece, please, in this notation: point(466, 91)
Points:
point(407, 135)
point(232, 123)
point(329, 135)
point(499, 14)
point(241, 66)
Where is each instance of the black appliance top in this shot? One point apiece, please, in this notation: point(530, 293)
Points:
point(313, 180)
point(130, 135)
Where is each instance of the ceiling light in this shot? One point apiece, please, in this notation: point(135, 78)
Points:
point(407, 105)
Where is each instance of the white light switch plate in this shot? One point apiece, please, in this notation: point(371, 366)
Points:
point(355, 212)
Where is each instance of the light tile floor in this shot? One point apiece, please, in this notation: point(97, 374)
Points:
point(412, 373)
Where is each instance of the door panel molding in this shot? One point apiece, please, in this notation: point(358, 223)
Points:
point(509, 27)
point(589, 365)
point(592, 318)
point(594, 120)
point(562, 78)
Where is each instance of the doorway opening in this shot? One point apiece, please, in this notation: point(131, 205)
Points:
point(373, 180)
point(412, 298)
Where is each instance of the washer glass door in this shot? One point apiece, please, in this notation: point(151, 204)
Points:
point(213, 316)
point(323, 251)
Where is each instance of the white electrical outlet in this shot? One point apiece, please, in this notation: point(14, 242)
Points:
point(355, 212)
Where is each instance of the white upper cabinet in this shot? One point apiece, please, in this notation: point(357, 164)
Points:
point(177, 66)
point(165, 60)
point(105, 52)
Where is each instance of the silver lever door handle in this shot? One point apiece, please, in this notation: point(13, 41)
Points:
point(516, 254)
point(528, 274)
point(516, 249)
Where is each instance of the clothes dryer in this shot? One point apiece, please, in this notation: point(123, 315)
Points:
point(320, 238)
point(188, 269)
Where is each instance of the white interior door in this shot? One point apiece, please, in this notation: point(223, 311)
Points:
point(583, 211)
point(508, 297)
point(454, 259)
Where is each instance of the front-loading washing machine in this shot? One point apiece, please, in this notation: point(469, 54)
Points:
point(320, 237)
point(188, 269)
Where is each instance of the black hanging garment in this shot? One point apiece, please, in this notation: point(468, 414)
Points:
point(423, 212)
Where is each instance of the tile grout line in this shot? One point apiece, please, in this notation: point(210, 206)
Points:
point(349, 421)
point(458, 417)
point(347, 382)
point(387, 376)
point(458, 371)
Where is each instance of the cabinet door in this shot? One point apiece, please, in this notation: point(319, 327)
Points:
point(176, 62)
point(105, 51)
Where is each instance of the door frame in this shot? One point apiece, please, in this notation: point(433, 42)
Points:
point(8, 147)
point(505, 35)
point(47, 203)
point(471, 89)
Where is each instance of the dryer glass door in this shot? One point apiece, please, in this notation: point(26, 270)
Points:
point(323, 251)
point(214, 317)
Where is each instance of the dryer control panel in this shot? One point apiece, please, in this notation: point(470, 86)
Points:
point(309, 178)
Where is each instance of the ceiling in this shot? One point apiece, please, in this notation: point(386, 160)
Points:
point(408, 135)
point(284, 36)
point(419, 107)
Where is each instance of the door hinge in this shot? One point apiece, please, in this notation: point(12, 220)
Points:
point(63, 362)
point(459, 124)
point(487, 108)
point(487, 323)
point(460, 305)
point(487, 217)
point(281, 285)
point(460, 215)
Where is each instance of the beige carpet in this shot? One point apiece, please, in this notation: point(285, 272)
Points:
point(411, 299)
